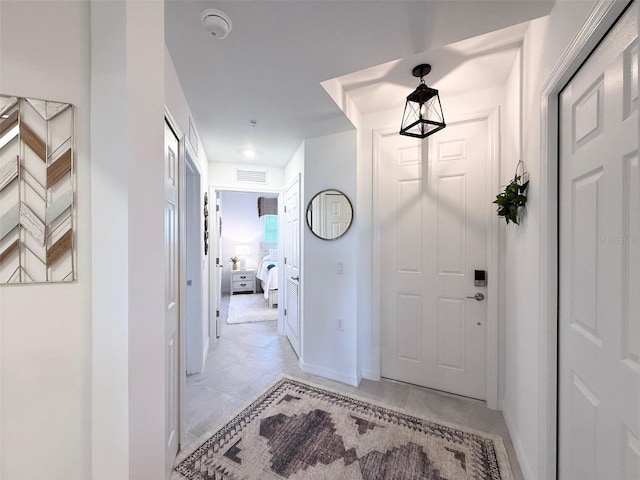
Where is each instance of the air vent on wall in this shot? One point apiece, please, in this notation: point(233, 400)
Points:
point(251, 176)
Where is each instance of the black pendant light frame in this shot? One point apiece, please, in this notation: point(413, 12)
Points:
point(423, 114)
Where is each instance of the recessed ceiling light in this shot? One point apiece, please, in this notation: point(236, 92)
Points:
point(248, 153)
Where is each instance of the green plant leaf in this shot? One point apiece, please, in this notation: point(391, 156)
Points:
point(511, 200)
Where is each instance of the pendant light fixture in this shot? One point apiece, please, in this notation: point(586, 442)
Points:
point(423, 112)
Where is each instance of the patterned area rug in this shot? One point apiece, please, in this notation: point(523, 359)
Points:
point(250, 308)
point(299, 431)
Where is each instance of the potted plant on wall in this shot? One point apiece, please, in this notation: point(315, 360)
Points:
point(234, 262)
point(514, 197)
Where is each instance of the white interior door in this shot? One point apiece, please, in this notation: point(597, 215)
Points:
point(599, 303)
point(292, 264)
point(216, 246)
point(432, 237)
point(196, 332)
point(172, 294)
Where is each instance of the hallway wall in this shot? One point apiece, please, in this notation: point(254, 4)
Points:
point(330, 162)
point(45, 330)
point(545, 41)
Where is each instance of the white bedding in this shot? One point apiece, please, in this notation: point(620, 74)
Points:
point(268, 276)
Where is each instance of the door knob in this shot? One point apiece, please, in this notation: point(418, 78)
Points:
point(478, 296)
point(295, 278)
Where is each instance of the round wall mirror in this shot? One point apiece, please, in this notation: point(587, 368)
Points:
point(329, 214)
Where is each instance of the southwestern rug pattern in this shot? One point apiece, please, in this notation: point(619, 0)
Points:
point(298, 431)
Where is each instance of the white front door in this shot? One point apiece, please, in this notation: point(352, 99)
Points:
point(292, 264)
point(599, 268)
point(172, 294)
point(433, 236)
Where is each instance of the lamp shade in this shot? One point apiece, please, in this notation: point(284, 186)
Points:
point(423, 114)
point(242, 251)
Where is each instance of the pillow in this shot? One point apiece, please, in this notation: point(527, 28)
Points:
point(273, 253)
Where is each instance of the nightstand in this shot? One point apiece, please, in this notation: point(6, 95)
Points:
point(243, 281)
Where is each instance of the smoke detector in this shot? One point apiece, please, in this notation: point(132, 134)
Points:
point(216, 22)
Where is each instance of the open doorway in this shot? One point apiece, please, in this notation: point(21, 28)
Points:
point(246, 356)
point(249, 257)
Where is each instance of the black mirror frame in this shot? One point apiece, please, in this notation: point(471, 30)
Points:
point(308, 211)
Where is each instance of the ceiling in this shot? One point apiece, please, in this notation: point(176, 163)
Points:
point(270, 66)
point(474, 64)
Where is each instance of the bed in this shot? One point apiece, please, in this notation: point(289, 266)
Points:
point(267, 273)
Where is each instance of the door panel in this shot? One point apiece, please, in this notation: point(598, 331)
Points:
point(292, 265)
point(450, 333)
point(599, 263)
point(409, 327)
point(336, 213)
point(433, 236)
point(172, 294)
point(631, 256)
point(292, 325)
point(450, 250)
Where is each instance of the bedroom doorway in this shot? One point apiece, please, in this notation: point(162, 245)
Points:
point(246, 257)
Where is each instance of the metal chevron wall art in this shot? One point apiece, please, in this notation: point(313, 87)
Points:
point(37, 201)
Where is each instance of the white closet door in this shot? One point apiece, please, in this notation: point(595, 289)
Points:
point(599, 303)
point(172, 293)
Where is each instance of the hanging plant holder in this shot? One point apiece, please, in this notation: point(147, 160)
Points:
point(514, 197)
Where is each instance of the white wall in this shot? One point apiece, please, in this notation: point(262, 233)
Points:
point(330, 162)
point(545, 41)
point(45, 421)
point(178, 107)
point(510, 154)
point(109, 296)
point(241, 226)
point(147, 349)
point(294, 167)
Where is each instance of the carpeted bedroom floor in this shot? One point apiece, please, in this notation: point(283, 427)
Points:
point(248, 357)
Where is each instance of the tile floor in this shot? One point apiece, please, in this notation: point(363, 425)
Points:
point(247, 357)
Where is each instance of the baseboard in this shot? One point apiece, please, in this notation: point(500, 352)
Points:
point(368, 374)
point(527, 473)
point(328, 373)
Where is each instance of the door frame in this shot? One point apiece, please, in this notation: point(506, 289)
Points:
point(214, 189)
point(282, 284)
point(182, 360)
point(492, 117)
point(191, 163)
point(215, 287)
point(595, 28)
